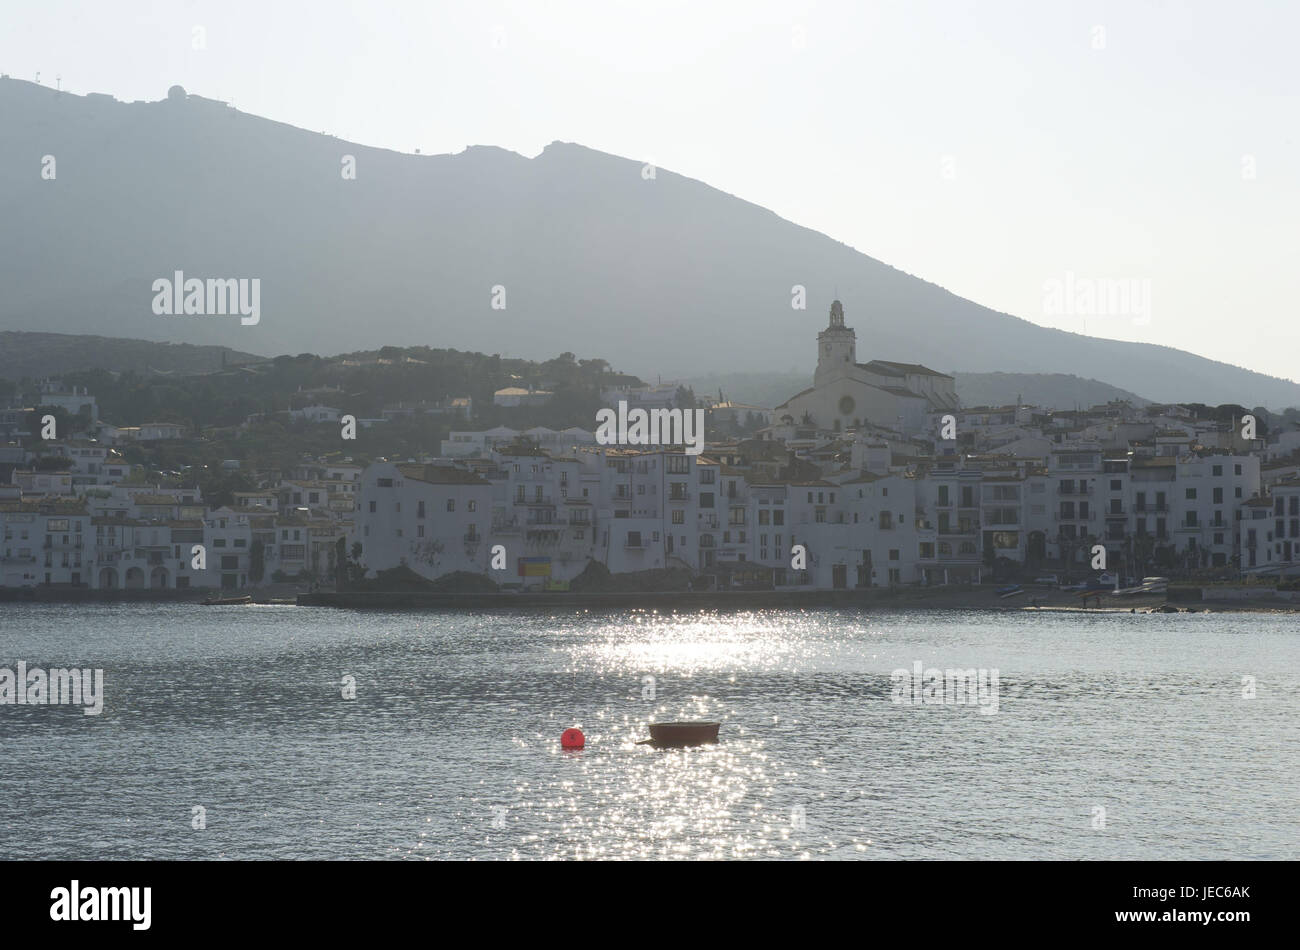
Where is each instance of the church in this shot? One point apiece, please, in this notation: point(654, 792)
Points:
point(847, 394)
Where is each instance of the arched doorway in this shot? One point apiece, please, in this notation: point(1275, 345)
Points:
point(134, 578)
point(107, 578)
point(158, 578)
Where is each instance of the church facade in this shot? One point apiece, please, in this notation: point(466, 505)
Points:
point(846, 394)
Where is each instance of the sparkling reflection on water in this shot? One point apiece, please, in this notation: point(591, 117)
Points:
point(451, 747)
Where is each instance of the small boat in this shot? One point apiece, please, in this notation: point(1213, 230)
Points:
point(676, 734)
point(1131, 591)
point(228, 601)
point(1012, 591)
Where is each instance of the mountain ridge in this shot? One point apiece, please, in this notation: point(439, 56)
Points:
point(665, 275)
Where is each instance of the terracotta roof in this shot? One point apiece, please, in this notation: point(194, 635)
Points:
point(891, 368)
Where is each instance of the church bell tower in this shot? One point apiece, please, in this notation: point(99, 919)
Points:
point(837, 347)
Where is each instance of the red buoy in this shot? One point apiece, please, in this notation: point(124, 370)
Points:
point(573, 739)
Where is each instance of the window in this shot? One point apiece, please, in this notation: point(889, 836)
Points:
point(451, 504)
point(1191, 494)
point(706, 499)
point(679, 516)
point(893, 554)
point(778, 516)
point(472, 505)
point(419, 509)
point(372, 507)
point(1217, 470)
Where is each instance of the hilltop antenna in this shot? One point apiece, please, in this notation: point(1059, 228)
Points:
point(38, 77)
point(58, 83)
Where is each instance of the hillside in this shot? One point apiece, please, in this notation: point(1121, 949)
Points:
point(1049, 390)
point(663, 276)
point(33, 355)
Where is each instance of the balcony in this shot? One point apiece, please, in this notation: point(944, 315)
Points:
point(1078, 490)
point(1088, 518)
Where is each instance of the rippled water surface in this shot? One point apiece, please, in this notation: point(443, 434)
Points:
point(450, 748)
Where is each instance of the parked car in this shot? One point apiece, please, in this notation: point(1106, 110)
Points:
point(1050, 580)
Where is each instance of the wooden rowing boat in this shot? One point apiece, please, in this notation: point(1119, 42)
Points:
point(228, 601)
point(677, 734)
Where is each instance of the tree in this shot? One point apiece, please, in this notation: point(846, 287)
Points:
point(356, 570)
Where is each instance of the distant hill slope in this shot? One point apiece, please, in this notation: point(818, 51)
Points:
point(661, 275)
point(34, 355)
point(1048, 390)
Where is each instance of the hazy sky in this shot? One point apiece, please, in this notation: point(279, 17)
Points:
point(989, 147)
